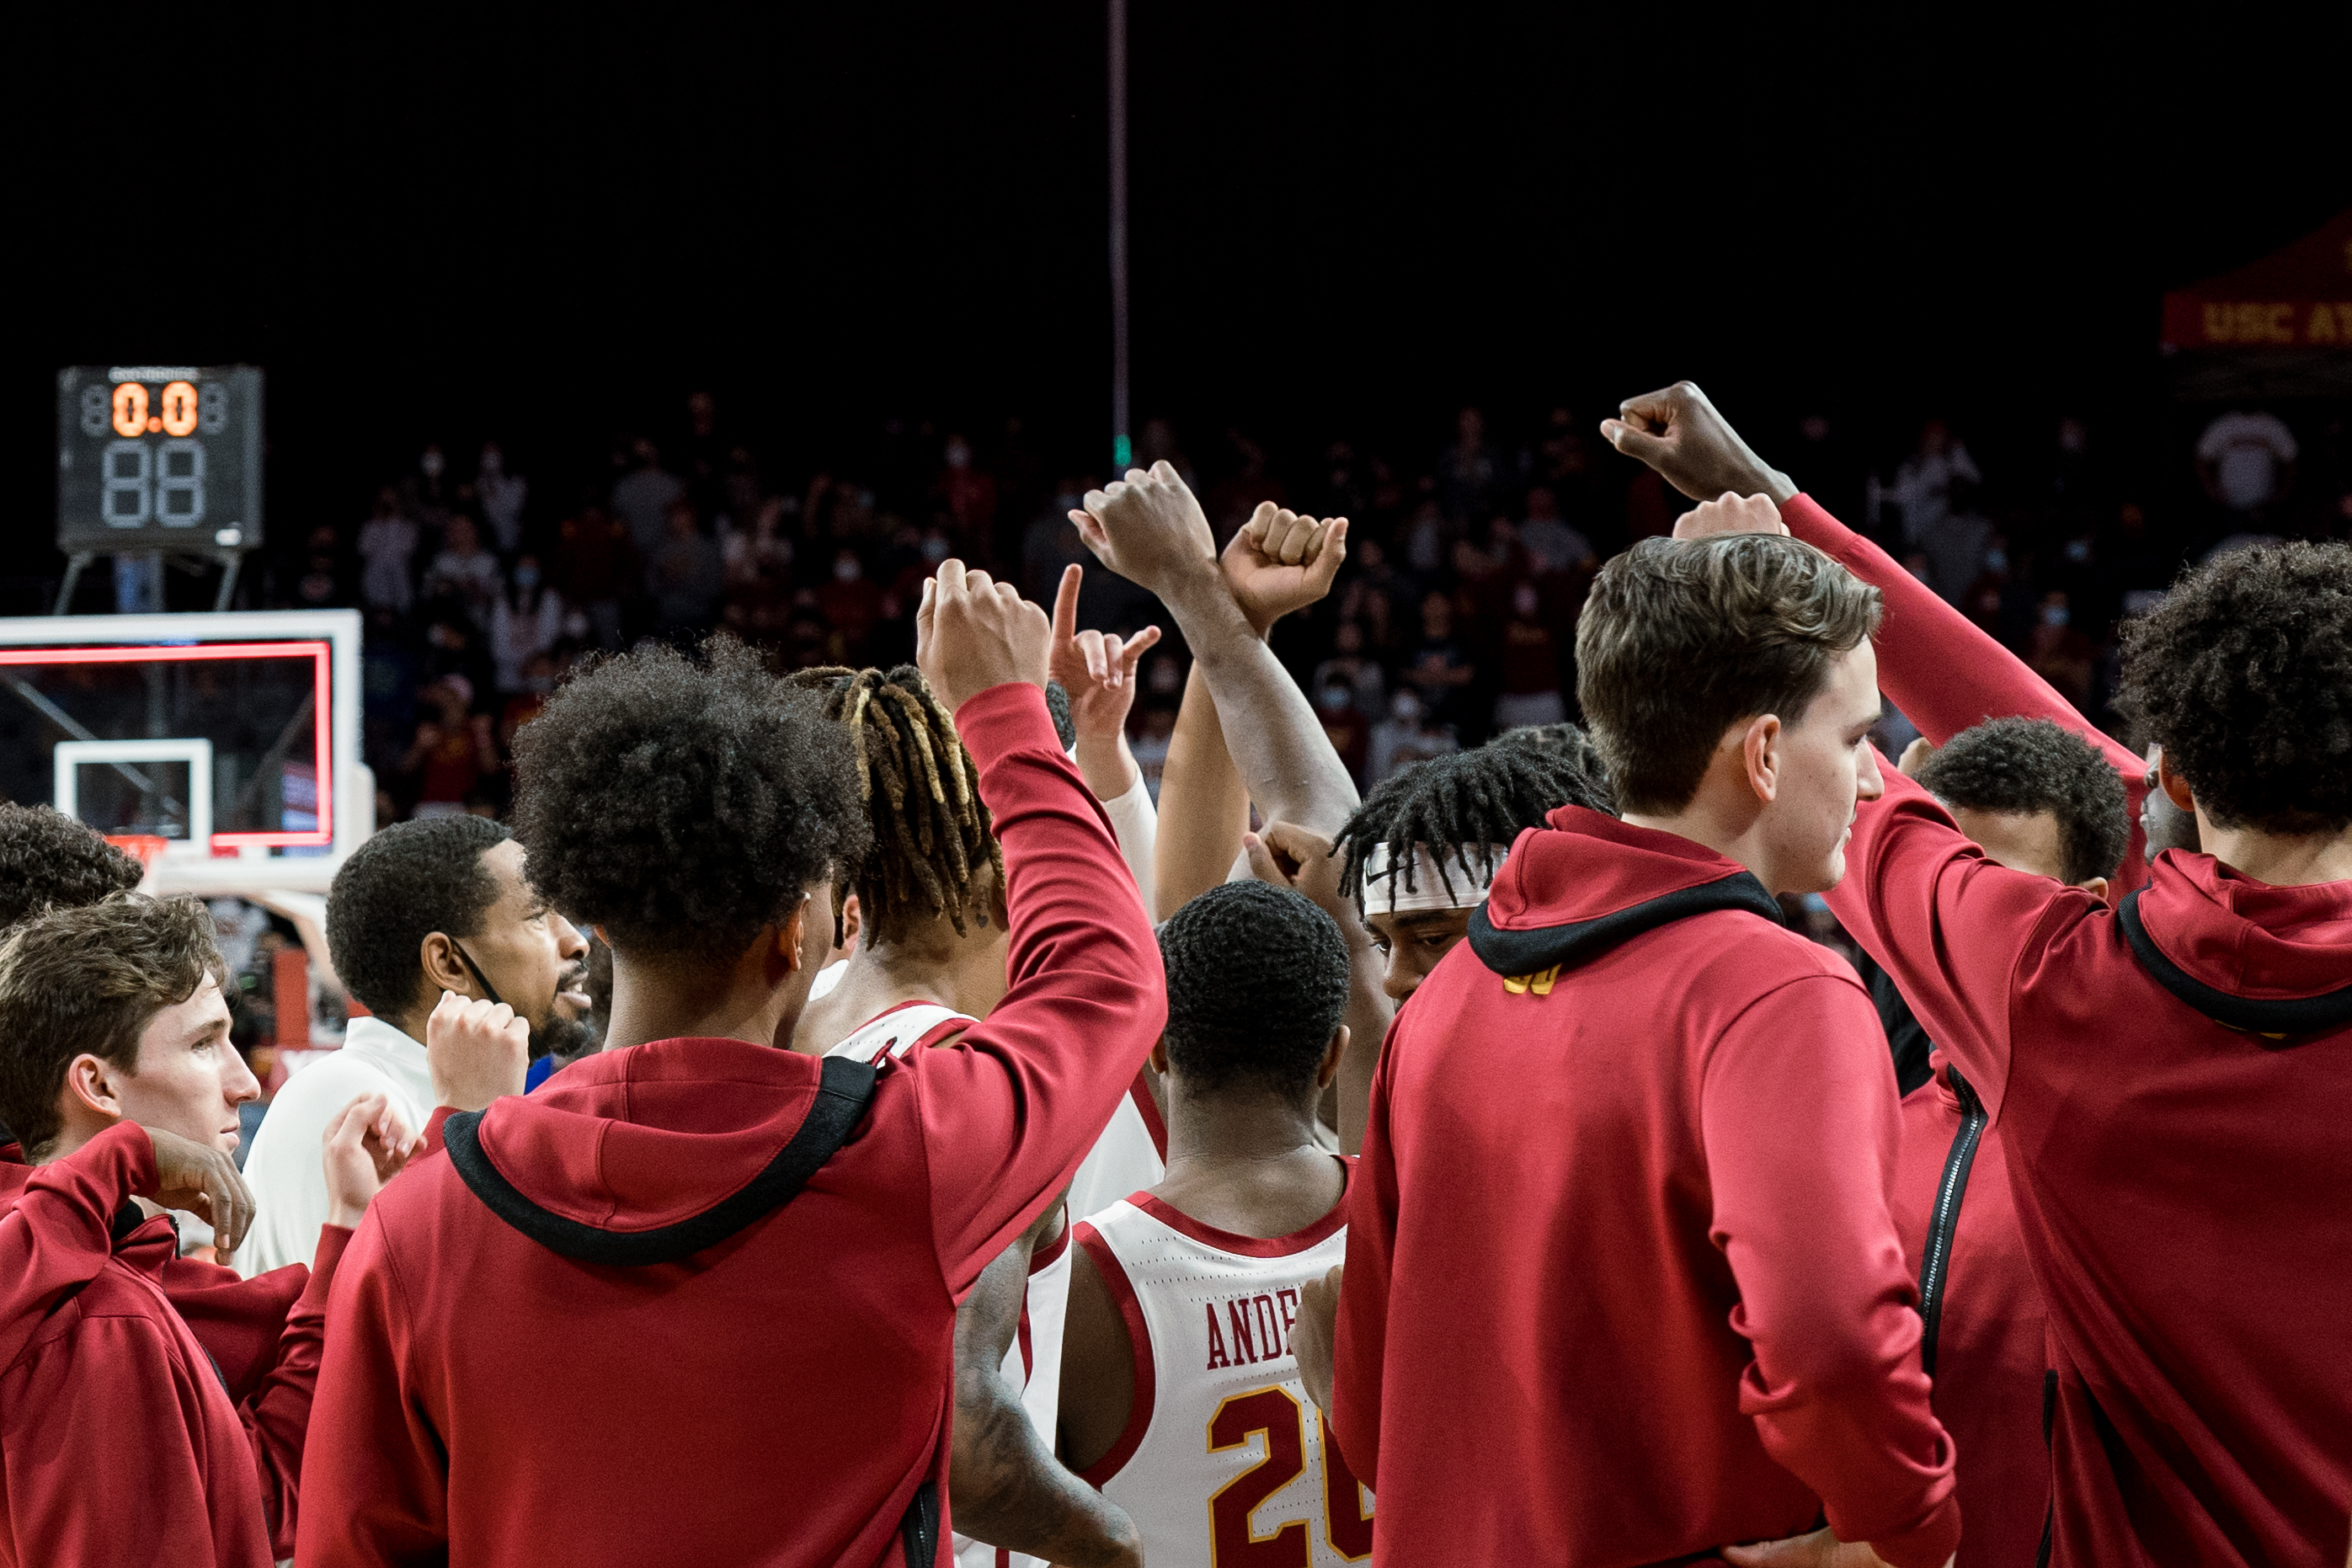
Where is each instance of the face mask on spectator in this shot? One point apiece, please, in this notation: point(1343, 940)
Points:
point(935, 548)
point(2055, 616)
point(847, 570)
point(431, 463)
point(526, 576)
point(1996, 560)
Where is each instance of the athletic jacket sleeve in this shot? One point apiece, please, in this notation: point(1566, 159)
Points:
point(1947, 675)
point(1951, 927)
point(376, 1485)
point(1010, 1110)
point(102, 1451)
point(278, 1415)
point(1798, 1109)
point(59, 1235)
point(1362, 1328)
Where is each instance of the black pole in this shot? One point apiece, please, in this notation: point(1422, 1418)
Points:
point(1123, 447)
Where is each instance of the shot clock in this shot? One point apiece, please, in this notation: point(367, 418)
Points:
point(159, 457)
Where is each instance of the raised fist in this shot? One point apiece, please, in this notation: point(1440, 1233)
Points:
point(1281, 561)
point(478, 1050)
point(1148, 527)
point(1728, 513)
point(972, 632)
point(1678, 432)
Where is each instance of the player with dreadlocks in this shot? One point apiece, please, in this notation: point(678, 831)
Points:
point(1422, 850)
point(930, 962)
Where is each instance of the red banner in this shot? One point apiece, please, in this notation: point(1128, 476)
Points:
point(2300, 297)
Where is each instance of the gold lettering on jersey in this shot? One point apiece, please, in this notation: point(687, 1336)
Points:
point(1540, 981)
point(1256, 1329)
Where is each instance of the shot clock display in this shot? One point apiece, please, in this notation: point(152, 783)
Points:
point(159, 457)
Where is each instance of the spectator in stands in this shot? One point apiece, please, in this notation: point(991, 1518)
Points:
point(1530, 691)
point(642, 498)
point(1441, 669)
point(524, 624)
point(1350, 666)
point(1469, 478)
point(453, 751)
point(1407, 735)
point(501, 496)
point(1923, 482)
point(1550, 543)
point(2246, 461)
point(686, 576)
point(597, 568)
point(387, 554)
point(464, 571)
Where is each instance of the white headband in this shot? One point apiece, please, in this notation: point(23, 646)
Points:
point(1385, 891)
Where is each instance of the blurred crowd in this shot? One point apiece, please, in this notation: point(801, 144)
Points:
point(1454, 618)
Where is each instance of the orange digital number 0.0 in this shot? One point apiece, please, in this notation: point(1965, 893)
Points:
point(129, 409)
point(1232, 1540)
point(179, 409)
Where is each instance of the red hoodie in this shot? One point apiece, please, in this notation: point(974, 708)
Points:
point(1982, 1334)
point(1622, 1284)
point(125, 1439)
point(782, 1396)
point(2170, 1078)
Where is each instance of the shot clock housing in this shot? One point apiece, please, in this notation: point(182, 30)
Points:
point(159, 457)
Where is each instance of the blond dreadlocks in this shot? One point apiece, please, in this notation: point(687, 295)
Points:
point(920, 788)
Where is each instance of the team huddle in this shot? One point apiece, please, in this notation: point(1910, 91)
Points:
point(955, 1152)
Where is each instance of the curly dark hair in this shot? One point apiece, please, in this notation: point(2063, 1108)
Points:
point(1473, 799)
point(399, 887)
point(2031, 765)
point(48, 859)
point(1257, 984)
point(932, 832)
point(684, 803)
point(90, 979)
point(2244, 675)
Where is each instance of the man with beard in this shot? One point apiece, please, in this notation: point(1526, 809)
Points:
point(421, 909)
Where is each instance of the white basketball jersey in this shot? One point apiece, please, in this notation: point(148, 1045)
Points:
point(1033, 1362)
point(1225, 1459)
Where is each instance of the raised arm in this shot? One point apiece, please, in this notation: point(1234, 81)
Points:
point(1935, 664)
point(1204, 804)
point(1097, 671)
point(1149, 529)
point(1011, 1108)
point(1288, 855)
point(59, 1234)
point(1203, 801)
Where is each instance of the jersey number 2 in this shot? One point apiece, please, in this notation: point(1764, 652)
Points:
point(1233, 1543)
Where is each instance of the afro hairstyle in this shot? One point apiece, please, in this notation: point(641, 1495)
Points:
point(685, 803)
point(48, 859)
point(399, 887)
point(2032, 765)
point(1257, 984)
point(2244, 675)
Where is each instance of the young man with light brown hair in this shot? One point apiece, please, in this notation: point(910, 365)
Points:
point(1622, 1280)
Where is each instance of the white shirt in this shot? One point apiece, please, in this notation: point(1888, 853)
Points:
point(286, 1169)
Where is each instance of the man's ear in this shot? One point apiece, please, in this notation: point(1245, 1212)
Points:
point(2175, 787)
point(2095, 886)
point(1160, 1055)
point(794, 931)
point(89, 1083)
point(1759, 749)
point(1328, 1068)
point(443, 969)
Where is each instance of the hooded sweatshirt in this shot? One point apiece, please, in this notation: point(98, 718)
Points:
point(780, 1395)
point(1981, 1338)
point(2168, 1076)
point(123, 1438)
point(1622, 1285)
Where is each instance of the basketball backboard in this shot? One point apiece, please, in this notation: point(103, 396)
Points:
point(233, 739)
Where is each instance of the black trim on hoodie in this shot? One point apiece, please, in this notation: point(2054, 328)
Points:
point(2296, 1015)
point(845, 1089)
point(1581, 941)
point(1944, 1219)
